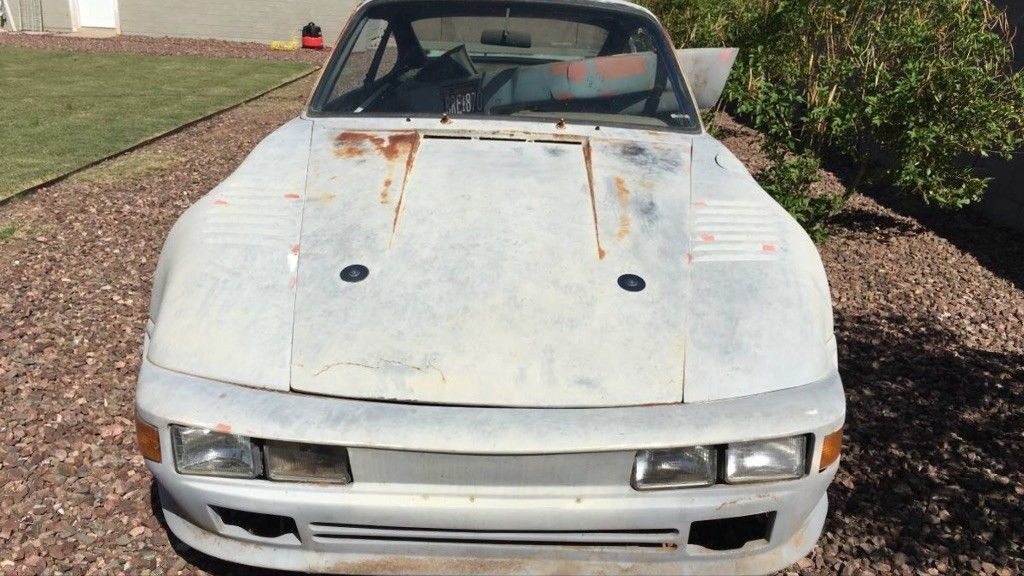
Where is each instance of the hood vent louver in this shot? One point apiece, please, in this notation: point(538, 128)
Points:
point(491, 137)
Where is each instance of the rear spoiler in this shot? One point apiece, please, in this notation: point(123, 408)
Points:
point(706, 71)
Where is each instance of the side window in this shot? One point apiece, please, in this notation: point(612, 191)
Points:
point(372, 57)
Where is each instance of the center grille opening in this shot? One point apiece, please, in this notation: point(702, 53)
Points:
point(657, 539)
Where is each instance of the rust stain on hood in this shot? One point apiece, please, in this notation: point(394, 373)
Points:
point(413, 145)
point(448, 315)
point(353, 145)
point(588, 154)
point(623, 193)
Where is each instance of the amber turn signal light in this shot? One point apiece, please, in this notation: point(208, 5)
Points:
point(149, 439)
point(830, 449)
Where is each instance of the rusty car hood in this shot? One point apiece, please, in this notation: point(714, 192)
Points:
point(493, 261)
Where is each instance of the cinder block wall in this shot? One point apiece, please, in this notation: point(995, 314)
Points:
point(1004, 202)
point(242, 20)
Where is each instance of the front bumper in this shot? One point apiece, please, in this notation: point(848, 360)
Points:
point(489, 490)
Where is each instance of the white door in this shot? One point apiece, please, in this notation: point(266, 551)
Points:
point(97, 13)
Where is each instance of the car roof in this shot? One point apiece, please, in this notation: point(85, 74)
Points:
point(622, 4)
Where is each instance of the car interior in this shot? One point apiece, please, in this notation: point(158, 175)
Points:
point(595, 66)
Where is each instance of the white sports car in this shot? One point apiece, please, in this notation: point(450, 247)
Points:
point(495, 303)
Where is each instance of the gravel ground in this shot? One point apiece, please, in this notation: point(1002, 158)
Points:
point(929, 315)
point(929, 310)
point(161, 46)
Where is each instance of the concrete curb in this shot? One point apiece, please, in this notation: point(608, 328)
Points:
point(155, 137)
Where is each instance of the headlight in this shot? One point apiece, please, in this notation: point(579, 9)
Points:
point(307, 462)
point(766, 460)
point(204, 452)
point(674, 468)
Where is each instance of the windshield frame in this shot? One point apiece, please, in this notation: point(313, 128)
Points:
point(664, 50)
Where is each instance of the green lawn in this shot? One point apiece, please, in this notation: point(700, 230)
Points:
point(61, 110)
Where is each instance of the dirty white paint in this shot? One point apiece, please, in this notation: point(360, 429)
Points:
point(493, 268)
point(759, 302)
point(223, 298)
point(495, 287)
point(489, 374)
point(164, 397)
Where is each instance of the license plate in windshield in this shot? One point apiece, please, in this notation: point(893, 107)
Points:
point(461, 98)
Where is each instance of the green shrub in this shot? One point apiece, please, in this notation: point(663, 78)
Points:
point(911, 93)
point(789, 179)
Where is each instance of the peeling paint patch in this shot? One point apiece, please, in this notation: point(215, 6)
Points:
point(293, 266)
point(223, 428)
point(220, 202)
point(385, 190)
point(292, 196)
point(381, 362)
point(768, 247)
point(707, 237)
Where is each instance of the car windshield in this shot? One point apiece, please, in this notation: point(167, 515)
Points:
point(506, 59)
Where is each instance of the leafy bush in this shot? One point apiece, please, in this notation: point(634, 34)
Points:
point(789, 179)
point(909, 92)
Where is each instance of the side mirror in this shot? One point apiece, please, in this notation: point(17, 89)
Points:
point(706, 71)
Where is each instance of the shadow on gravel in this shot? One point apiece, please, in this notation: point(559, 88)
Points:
point(1000, 250)
point(931, 468)
point(860, 220)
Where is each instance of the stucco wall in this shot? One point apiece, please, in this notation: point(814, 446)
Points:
point(245, 20)
point(56, 15)
point(1004, 202)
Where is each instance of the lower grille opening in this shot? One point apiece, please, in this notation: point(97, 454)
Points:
point(655, 539)
point(732, 533)
point(257, 524)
